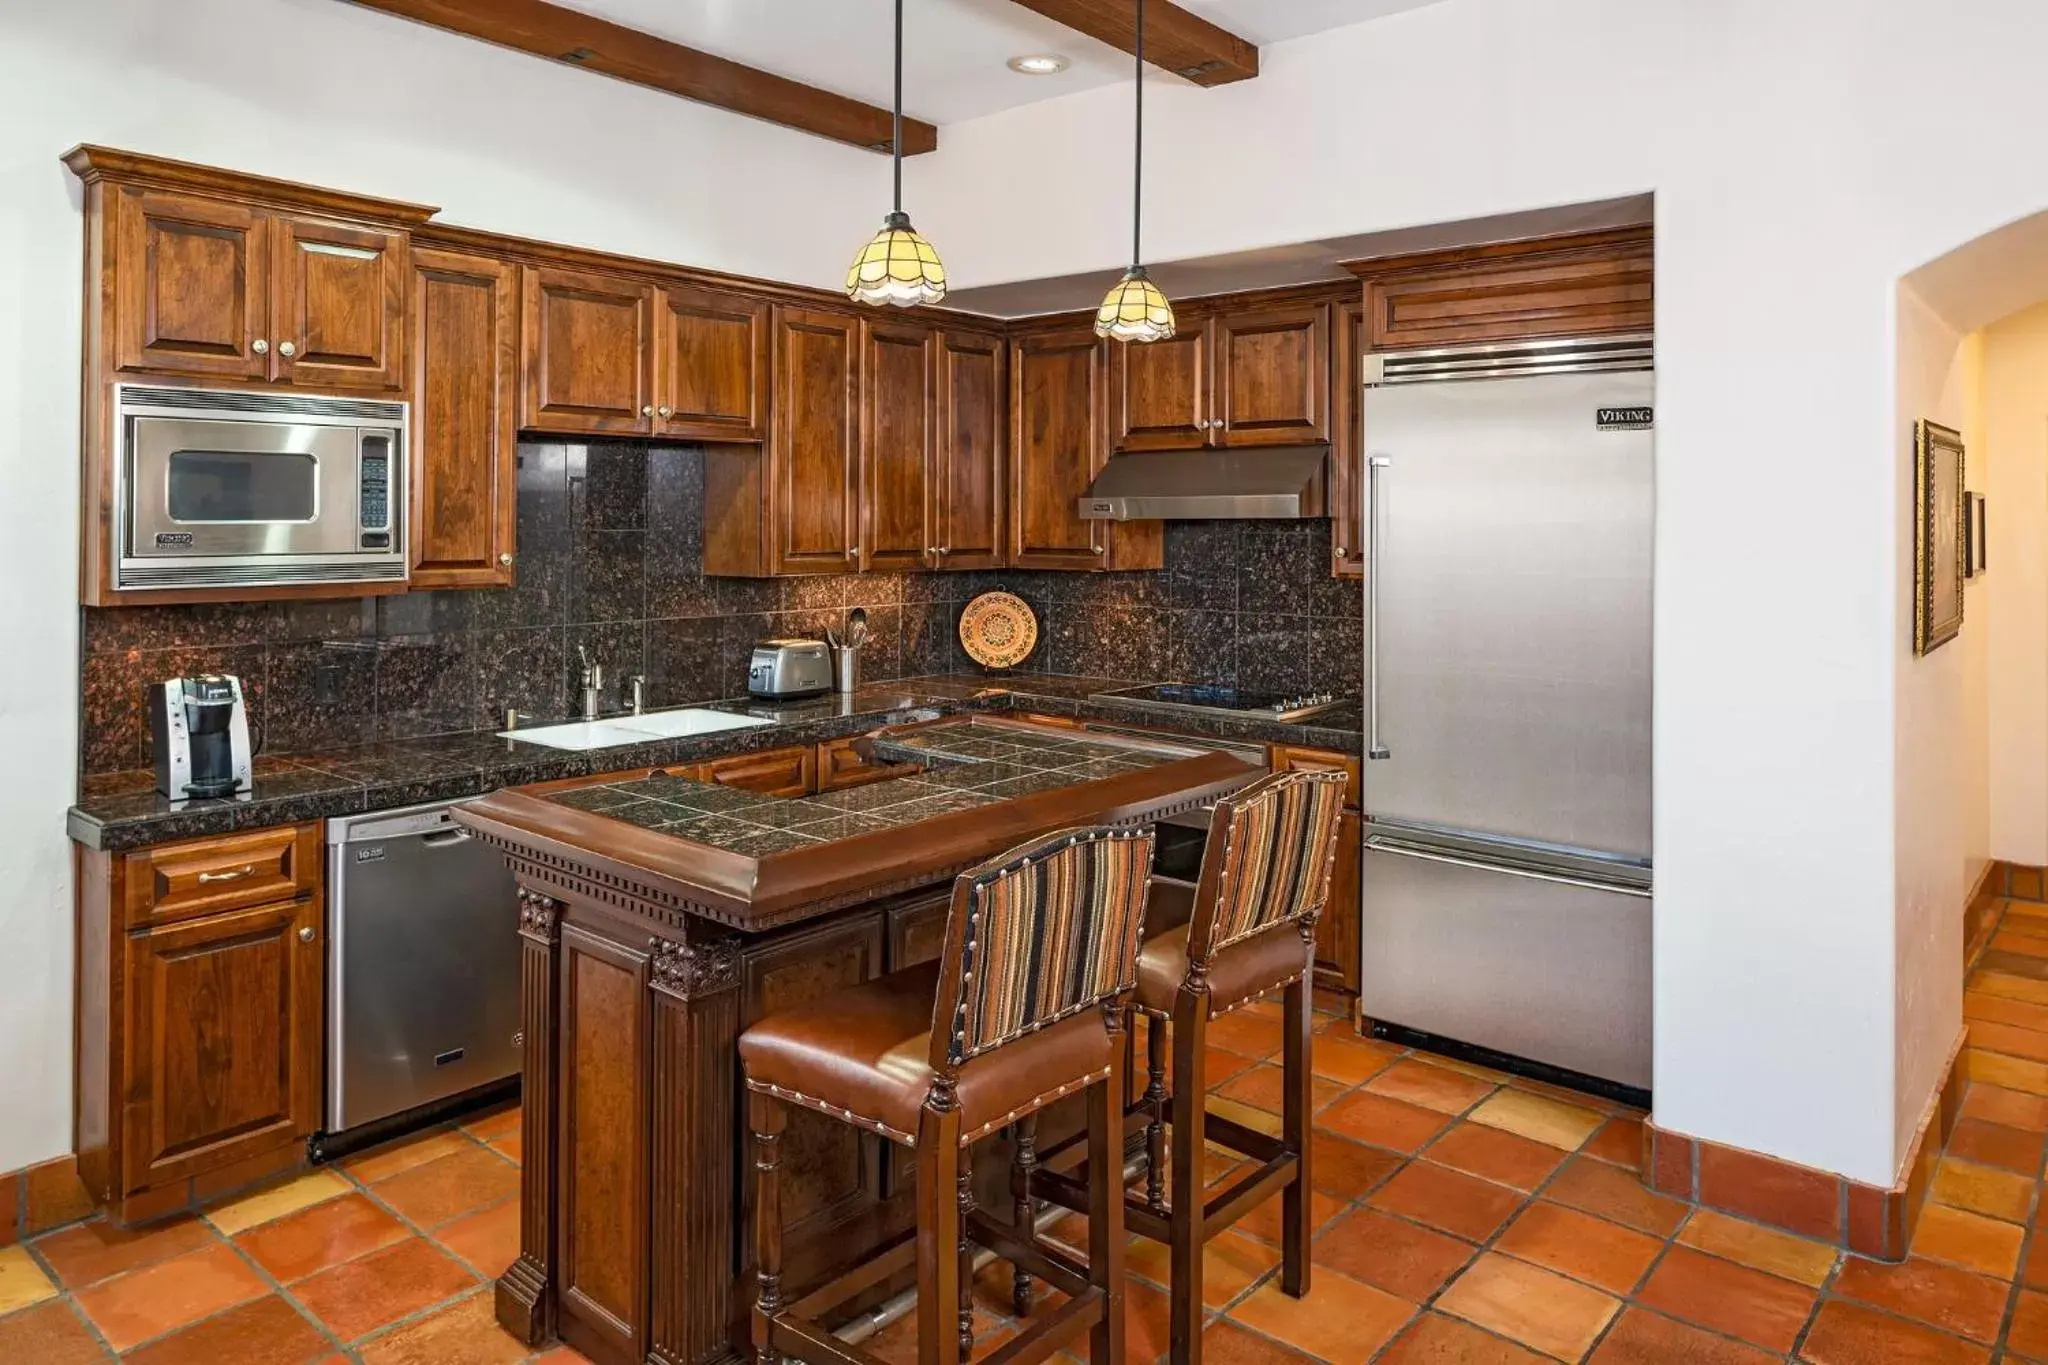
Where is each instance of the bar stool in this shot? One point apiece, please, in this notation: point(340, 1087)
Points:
point(1245, 929)
point(1025, 1005)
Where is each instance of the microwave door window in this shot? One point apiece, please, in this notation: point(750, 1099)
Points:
point(212, 487)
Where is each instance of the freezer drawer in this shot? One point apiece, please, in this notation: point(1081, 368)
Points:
point(1524, 964)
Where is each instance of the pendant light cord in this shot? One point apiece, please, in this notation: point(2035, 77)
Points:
point(1138, 147)
point(896, 137)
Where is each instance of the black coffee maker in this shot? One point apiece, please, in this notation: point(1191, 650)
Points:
point(201, 732)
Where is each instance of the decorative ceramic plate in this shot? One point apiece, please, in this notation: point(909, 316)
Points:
point(998, 630)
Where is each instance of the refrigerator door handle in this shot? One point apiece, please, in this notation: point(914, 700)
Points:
point(1375, 747)
point(1383, 844)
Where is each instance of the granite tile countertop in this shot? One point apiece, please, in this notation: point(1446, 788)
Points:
point(122, 811)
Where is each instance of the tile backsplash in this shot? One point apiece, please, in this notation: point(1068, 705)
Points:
point(611, 541)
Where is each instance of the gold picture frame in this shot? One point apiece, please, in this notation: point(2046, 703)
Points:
point(1940, 540)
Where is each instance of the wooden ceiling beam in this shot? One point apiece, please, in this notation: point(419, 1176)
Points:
point(595, 44)
point(1176, 40)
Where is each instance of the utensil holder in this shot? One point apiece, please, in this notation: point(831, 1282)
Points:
point(846, 667)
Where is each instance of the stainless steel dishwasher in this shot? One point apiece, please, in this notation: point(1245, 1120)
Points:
point(422, 967)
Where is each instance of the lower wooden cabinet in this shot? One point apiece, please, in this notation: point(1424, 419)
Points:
point(1337, 932)
point(199, 1034)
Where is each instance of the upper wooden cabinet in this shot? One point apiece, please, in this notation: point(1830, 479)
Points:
point(1227, 378)
point(814, 451)
point(1585, 284)
point(714, 364)
point(213, 289)
point(1347, 444)
point(969, 494)
point(586, 353)
point(898, 411)
point(464, 448)
point(1059, 441)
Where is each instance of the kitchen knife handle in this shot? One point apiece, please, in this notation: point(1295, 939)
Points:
point(1375, 747)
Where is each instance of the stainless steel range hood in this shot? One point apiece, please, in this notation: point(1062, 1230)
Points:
point(1209, 485)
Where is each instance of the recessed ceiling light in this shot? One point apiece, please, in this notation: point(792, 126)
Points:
point(1039, 64)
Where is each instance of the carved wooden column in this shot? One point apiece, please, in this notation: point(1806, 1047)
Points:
point(695, 1031)
point(526, 1292)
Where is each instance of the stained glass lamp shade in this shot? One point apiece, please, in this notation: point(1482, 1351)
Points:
point(898, 266)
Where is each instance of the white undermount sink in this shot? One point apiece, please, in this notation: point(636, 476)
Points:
point(619, 730)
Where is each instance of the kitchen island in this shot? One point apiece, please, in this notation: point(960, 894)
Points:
point(659, 914)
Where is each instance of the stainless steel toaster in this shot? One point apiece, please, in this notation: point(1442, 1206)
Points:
point(789, 668)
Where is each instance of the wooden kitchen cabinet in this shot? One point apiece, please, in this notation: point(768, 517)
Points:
point(1338, 931)
point(200, 1013)
point(840, 765)
point(969, 493)
point(897, 451)
point(1247, 377)
point(1059, 441)
point(1583, 284)
point(1347, 444)
point(464, 474)
point(337, 303)
point(586, 353)
point(714, 366)
point(1159, 392)
point(814, 450)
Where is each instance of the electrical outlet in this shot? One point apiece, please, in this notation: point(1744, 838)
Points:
point(327, 683)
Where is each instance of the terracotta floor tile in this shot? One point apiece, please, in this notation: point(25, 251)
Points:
point(1994, 1144)
point(1982, 1189)
point(2029, 1332)
point(2003, 972)
point(1603, 1254)
point(450, 1186)
point(363, 1295)
point(1646, 1338)
point(1726, 1297)
point(512, 1148)
point(1758, 1247)
point(147, 1303)
point(2013, 1108)
point(497, 1123)
point(1540, 1118)
point(1431, 1087)
point(1969, 1240)
point(1258, 1120)
point(1616, 1195)
point(1495, 1155)
point(1218, 1066)
point(466, 1333)
point(1437, 1340)
point(311, 1240)
point(1264, 1221)
point(1350, 1060)
point(1953, 1300)
point(402, 1154)
point(1245, 1033)
point(489, 1240)
point(1449, 1200)
point(50, 1335)
point(2011, 941)
point(1383, 1122)
point(2013, 1073)
point(90, 1252)
point(277, 1201)
point(266, 1332)
point(1264, 1087)
point(2007, 987)
point(1547, 1312)
point(1225, 1343)
point(22, 1281)
point(1229, 1264)
point(1146, 1326)
point(1993, 1010)
point(1339, 1319)
point(1849, 1334)
point(1619, 1141)
point(563, 1355)
point(1345, 1168)
point(1391, 1254)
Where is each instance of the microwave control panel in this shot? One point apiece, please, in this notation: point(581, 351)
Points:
point(374, 492)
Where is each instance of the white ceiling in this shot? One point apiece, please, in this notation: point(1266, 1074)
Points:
point(953, 50)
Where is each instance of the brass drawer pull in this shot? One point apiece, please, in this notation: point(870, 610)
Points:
point(245, 870)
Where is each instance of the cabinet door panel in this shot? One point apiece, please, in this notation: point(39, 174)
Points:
point(896, 447)
point(715, 366)
point(338, 302)
point(1057, 446)
point(1589, 284)
point(1160, 391)
point(1273, 377)
point(587, 353)
point(1347, 444)
point(1337, 932)
point(464, 447)
point(969, 497)
point(191, 280)
point(815, 478)
point(223, 1037)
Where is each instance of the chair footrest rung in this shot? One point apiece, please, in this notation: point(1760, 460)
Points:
point(1050, 1331)
point(897, 1255)
point(1069, 1277)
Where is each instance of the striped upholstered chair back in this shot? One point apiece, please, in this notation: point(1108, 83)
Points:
point(1271, 849)
point(1037, 935)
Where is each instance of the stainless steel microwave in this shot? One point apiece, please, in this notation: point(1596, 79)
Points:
point(223, 489)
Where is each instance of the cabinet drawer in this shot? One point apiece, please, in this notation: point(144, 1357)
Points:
point(840, 765)
point(177, 881)
point(1286, 759)
point(777, 772)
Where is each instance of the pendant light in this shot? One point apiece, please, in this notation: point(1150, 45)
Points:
point(1135, 309)
point(898, 266)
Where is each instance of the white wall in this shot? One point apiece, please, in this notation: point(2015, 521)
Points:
point(2016, 440)
point(318, 91)
point(1798, 175)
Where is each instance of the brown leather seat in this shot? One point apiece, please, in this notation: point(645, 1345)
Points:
point(864, 1054)
point(1261, 963)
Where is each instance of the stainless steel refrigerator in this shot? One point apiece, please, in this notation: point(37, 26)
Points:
point(1506, 868)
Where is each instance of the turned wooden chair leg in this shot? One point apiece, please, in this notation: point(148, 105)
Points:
point(766, 1116)
point(1025, 1214)
point(966, 1183)
point(1188, 1236)
point(1106, 1214)
point(939, 1237)
point(1298, 1083)
point(1155, 1124)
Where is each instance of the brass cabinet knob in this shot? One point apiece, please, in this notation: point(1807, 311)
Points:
point(286, 349)
point(1339, 551)
point(647, 410)
point(260, 346)
point(665, 411)
point(506, 559)
point(306, 934)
